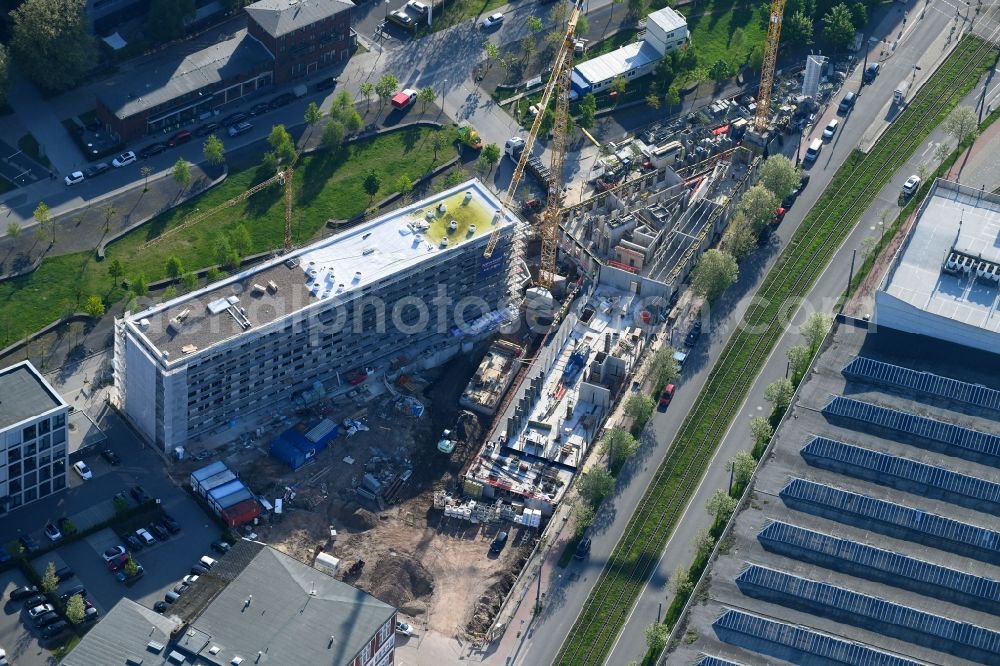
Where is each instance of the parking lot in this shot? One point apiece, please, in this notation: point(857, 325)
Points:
point(88, 502)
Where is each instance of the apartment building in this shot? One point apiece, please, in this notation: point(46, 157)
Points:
point(33, 444)
point(302, 35)
point(414, 280)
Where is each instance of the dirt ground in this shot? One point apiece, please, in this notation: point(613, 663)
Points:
point(436, 570)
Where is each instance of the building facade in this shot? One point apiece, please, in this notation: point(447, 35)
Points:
point(415, 280)
point(33, 441)
point(304, 36)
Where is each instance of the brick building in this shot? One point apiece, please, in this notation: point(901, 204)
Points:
point(284, 40)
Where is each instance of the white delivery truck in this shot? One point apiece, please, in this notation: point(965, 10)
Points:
point(899, 94)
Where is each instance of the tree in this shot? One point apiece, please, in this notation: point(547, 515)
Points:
point(815, 328)
point(859, 15)
point(663, 367)
point(715, 272)
point(534, 24)
point(760, 205)
point(528, 46)
point(742, 465)
point(942, 152)
point(588, 111)
point(165, 19)
point(618, 84)
point(720, 506)
point(333, 135)
point(838, 26)
point(116, 270)
point(657, 634)
point(558, 15)
point(779, 175)
point(13, 229)
point(868, 246)
point(190, 281)
point(213, 274)
point(342, 104)
point(181, 172)
point(760, 430)
point(282, 143)
point(582, 25)
point(737, 41)
point(492, 52)
point(372, 184)
point(619, 445)
point(169, 292)
point(109, 214)
point(224, 252)
point(94, 307)
point(779, 394)
point(270, 161)
point(75, 609)
point(482, 166)
point(636, 8)
point(367, 89)
point(703, 542)
point(755, 60)
point(386, 87)
point(680, 582)
point(583, 515)
point(491, 154)
point(595, 485)
point(131, 568)
point(720, 70)
point(50, 581)
point(404, 185)
point(962, 124)
point(426, 96)
point(672, 98)
point(145, 173)
point(313, 114)
point(4, 74)
point(174, 267)
point(139, 285)
point(740, 238)
point(437, 142)
point(653, 101)
point(798, 357)
point(352, 121)
point(214, 151)
point(44, 220)
point(797, 29)
point(51, 44)
point(640, 407)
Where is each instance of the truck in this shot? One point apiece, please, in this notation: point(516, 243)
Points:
point(513, 149)
point(404, 98)
point(899, 94)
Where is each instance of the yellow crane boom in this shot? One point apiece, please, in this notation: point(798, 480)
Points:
point(767, 68)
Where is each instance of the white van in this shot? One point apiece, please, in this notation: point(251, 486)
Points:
point(813, 152)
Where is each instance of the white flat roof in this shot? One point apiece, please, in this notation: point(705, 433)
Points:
point(953, 218)
point(667, 19)
point(621, 60)
point(333, 268)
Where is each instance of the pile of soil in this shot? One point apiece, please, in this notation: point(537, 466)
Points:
point(489, 603)
point(357, 519)
point(399, 580)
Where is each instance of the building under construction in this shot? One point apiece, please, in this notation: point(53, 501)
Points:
point(492, 379)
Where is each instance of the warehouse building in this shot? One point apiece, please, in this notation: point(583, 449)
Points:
point(666, 30)
point(870, 533)
point(945, 278)
point(33, 443)
point(415, 279)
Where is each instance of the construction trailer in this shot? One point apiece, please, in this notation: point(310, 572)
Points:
point(207, 471)
point(295, 448)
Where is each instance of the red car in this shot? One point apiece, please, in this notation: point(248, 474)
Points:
point(779, 215)
point(180, 137)
point(118, 562)
point(666, 395)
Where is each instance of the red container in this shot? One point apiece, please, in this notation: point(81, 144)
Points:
point(241, 513)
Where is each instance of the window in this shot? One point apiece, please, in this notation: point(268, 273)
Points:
point(13, 470)
point(43, 426)
point(28, 433)
point(44, 442)
point(59, 421)
point(30, 495)
point(44, 488)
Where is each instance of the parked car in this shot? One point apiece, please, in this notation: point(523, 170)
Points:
point(55, 629)
point(260, 109)
point(45, 619)
point(74, 178)
point(134, 542)
point(221, 547)
point(206, 129)
point(402, 19)
point(40, 610)
point(404, 628)
point(582, 549)
point(692, 337)
point(234, 118)
point(788, 201)
point(161, 606)
point(23, 592)
point(64, 573)
point(417, 7)
point(172, 525)
point(66, 526)
point(120, 496)
point(124, 159)
point(199, 570)
point(113, 553)
point(147, 538)
point(138, 494)
point(82, 469)
point(190, 579)
point(72, 592)
point(52, 532)
point(281, 100)
point(123, 576)
point(492, 20)
point(90, 614)
point(911, 186)
point(179, 138)
point(160, 531)
point(206, 562)
point(181, 588)
point(35, 600)
point(152, 149)
point(329, 83)
point(498, 543)
point(831, 129)
point(117, 563)
point(666, 395)
point(29, 543)
point(171, 596)
point(111, 457)
point(96, 170)
point(240, 128)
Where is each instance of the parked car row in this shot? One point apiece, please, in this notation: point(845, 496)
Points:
point(41, 613)
point(199, 569)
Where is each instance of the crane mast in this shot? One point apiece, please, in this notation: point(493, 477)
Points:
point(767, 68)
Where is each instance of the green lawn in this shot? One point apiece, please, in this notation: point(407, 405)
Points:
point(29, 144)
point(326, 186)
point(620, 38)
point(712, 25)
point(457, 11)
point(854, 188)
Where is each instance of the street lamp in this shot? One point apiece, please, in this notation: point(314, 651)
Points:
point(387, 9)
point(444, 91)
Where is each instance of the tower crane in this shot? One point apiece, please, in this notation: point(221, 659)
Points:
point(768, 65)
point(558, 85)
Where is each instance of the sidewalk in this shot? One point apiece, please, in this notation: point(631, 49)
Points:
point(38, 116)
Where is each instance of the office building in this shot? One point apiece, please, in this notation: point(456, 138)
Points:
point(322, 317)
point(33, 445)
